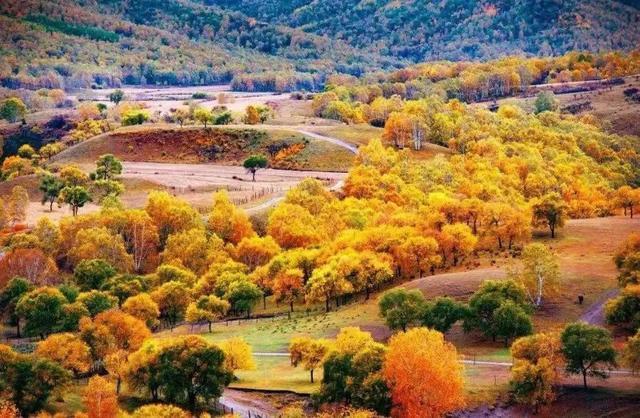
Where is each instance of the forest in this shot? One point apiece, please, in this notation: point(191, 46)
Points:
point(319, 209)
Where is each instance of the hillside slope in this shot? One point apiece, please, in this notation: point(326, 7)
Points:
point(458, 29)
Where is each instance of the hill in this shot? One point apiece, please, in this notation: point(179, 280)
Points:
point(69, 44)
point(460, 29)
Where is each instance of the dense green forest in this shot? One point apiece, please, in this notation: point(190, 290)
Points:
point(457, 29)
point(277, 45)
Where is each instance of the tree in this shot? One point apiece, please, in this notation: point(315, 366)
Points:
point(42, 310)
point(293, 226)
point(100, 243)
point(624, 310)
point(72, 313)
point(252, 116)
point(181, 116)
point(74, 196)
point(398, 130)
point(88, 111)
point(142, 307)
point(510, 321)
point(484, 303)
point(587, 350)
point(243, 296)
point(172, 299)
point(327, 282)
point(255, 163)
point(159, 411)
point(442, 313)
point(30, 263)
point(100, 398)
point(9, 297)
point(632, 352)
point(545, 102)
point(416, 362)
point(17, 204)
point(534, 374)
point(237, 355)
point(116, 364)
point(308, 352)
point(68, 350)
point(170, 214)
point(207, 308)
point(92, 274)
point(26, 151)
point(72, 175)
point(48, 234)
point(108, 167)
point(288, 286)
point(116, 96)
point(111, 331)
point(134, 117)
point(50, 187)
point(227, 221)
point(627, 198)
point(256, 251)
point(419, 254)
point(401, 308)
point(185, 370)
point(203, 116)
point(29, 381)
point(457, 241)
point(549, 211)
point(97, 301)
point(540, 274)
point(12, 109)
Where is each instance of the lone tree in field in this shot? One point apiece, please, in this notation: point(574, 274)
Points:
point(255, 163)
point(587, 350)
point(550, 211)
point(540, 274)
point(202, 115)
point(50, 187)
point(546, 101)
point(116, 96)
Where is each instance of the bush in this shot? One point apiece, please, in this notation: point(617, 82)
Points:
point(134, 117)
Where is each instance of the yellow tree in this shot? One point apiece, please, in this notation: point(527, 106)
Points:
point(256, 251)
point(457, 241)
point(116, 364)
point(100, 398)
point(228, 222)
point(193, 250)
point(418, 361)
point(170, 214)
point(293, 226)
point(16, 206)
point(540, 273)
point(100, 243)
point(207, 309)
point(237, 355)
point(419, 254)
point(309, 353)
point(325, 283)
point(67, 349)
point(351, 340)
point(142, 307)
point(534, 374)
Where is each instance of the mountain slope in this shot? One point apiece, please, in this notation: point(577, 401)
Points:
point(457, 29)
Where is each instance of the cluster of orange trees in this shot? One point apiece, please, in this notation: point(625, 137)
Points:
point(477, 81)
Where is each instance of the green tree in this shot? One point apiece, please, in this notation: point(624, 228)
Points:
point(123, 286)
point(92, 274)
point(12, 109)
point(587, 350)
point(42, 310)
point(135, 117)
point(26, 151)
point(108, 167)
point(550, 211)
point(116, 96)
point(254, 163)
point(97, 301)
point(545, 101)
point(243, 296)
point(186, 371)
point(50, 187)
point(29, 381)
point(510, 321)
point(75, 196)
point(442, 313)
point(9, 298)
point(487, 299)
point(401, 308)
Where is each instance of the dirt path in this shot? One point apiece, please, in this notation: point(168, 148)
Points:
point(246, 404)
point(594, 315)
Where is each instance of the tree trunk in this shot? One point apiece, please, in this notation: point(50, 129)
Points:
point(291, 305)
point(553, 230)
point(253, 173)
point(209, 327)
point(584, 378)
point(326, 304)
point(264, 301)
point(51, 206)
point(311, 371)
point(118, 384)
